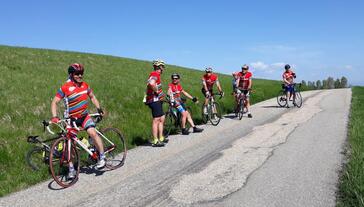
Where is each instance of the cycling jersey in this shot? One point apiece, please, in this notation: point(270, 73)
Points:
point(244, 80)
point(288, 75)
point(151, 95)
point(75, 98)
point(210, 80)
point(176, 91)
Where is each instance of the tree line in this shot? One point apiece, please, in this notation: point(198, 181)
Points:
point(329, 83)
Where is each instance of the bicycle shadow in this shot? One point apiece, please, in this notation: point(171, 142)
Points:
point(230, 116)
point(88, 170)
point(54, 186)
point(274, 106)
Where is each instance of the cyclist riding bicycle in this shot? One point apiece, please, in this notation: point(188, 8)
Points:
point(244, 85)
point(154, 96)
point(174, 91)
point(288, 81)
point(208, 81)
point(75, 93)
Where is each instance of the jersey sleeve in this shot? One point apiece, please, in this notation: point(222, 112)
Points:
point(60, 93)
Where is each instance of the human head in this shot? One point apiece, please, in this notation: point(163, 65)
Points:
point(287, 67)
point(175, 78)
point(245, 68)
point(75, 72)
point(208, 71)
point(158, 65)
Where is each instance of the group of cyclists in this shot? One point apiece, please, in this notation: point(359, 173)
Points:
point(75, 93)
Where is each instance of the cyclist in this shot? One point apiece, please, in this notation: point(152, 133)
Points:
point(154, 95)
point(288, 81)
point(208, 81)
point(233, 82)
point(174, 91)
point(244, 85)
point(75, 93)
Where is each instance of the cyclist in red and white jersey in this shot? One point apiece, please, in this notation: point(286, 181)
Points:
point(244, 85)
point(208, 81)
point(154, 96)
point(75, 93)
point(174, 91)
point(288, 80)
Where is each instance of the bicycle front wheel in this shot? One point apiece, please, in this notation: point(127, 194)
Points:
point(114, 147)
point(215, 114)
point(60, 159)
point(241, 109)
point(298, 99)
point(282, 99)
point(169, 125)
point(37, 158)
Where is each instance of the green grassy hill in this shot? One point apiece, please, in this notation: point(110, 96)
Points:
point(29, 80)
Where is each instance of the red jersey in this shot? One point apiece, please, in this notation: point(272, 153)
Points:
point(288, 75)
point(75, 98)
point(210, 80)
point(244, 80)
point(151, 95)
point(176, 90)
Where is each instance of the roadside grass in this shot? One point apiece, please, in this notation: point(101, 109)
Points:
point(30, 78)
point(351, 188)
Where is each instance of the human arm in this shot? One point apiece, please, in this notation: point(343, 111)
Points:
point(194, 99)
point(55, 100)
point(96, 103)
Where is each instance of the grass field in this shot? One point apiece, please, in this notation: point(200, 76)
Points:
point(30, 78)
point(351, 189)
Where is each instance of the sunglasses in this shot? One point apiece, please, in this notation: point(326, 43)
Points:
point(175, 78)
point(79, 73)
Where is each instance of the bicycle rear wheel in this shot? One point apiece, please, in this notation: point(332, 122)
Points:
point(114, 147)
point(298, 99)
point(59, 162)
point(281, 99)
point(215, 114)
point(37, 158)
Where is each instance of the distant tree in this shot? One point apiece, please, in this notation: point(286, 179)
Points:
point(344, 82)
point(304, 84)
point(318, 84)
point(331, 82)
point(337, 83)
point(324, 84)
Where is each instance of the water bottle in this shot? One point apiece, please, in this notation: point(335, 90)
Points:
point(85, 141)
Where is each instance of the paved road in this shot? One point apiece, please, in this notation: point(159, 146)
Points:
point(281, 157)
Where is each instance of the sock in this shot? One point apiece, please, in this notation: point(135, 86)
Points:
point(161, 138)
point(102, 156)
point(155, 140)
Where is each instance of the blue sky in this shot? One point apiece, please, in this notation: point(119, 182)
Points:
point(319, 38)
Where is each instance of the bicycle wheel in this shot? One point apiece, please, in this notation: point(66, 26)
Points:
point(114, 147)
point(281, 99)
point(169, 125)
point(59, 162)
point(37, 158)
point(204, 116)
point(298, 99)
point(241, 109)
point(215, 114)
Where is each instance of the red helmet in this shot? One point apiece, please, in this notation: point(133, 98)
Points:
point(75, 67)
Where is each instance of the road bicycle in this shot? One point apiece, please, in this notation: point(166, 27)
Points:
point(212, 112)
point(38, 156)
point(296, 96)
point(65, 150)
point(173, 119)
point(241, 109)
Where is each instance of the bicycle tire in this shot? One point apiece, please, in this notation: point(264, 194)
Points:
point(241, 109)
point(215, 117)
point(281, 99)
point(115, 152)
point(169, 124)
point(298, 100)
point(37, 157)
point(59, 165)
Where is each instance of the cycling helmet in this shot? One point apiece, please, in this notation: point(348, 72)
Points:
point(208, 70)
point(75, 67)
point(287, 67)
point(158, 63)
point(175, 75)
point(245, 66)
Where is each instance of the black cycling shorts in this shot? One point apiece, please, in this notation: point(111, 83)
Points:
point(157, 109)
point(204, 91)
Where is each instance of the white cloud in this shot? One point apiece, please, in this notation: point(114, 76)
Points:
point(348, 67)
point(259, 65)
point(262, 67)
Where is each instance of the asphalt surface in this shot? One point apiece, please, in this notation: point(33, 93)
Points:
point(280, 157)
